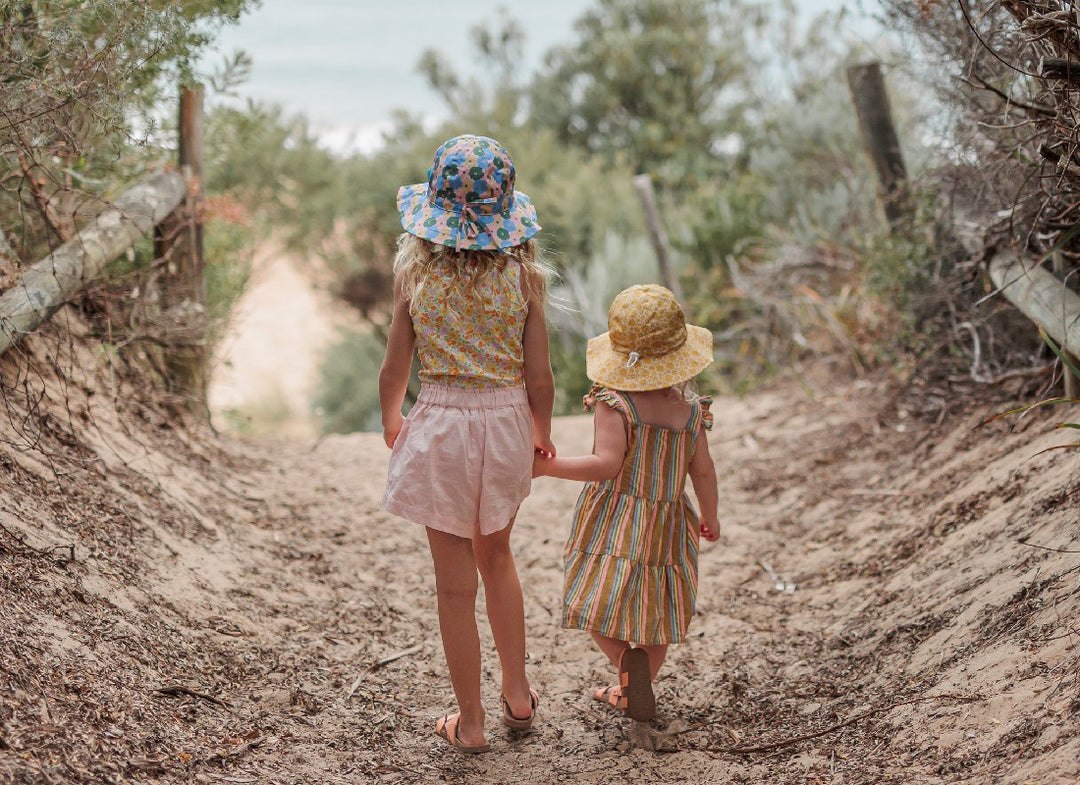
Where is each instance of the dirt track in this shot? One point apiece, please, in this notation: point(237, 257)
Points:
point(248, 613)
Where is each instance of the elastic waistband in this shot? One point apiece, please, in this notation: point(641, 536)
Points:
point(472, 398)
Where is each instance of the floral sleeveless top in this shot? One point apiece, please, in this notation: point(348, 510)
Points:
point(471, 338)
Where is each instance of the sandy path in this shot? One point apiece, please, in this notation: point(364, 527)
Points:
point(247, 612)
point(378, 577)
point(763, 667)
point(266, 367)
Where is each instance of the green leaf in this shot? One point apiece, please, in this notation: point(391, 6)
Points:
point(1025, 409)
point(1061, 355)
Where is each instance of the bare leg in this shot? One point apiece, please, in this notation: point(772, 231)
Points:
point(506, 614)
point(657, 654)
point(456, 586)
point(614, 648)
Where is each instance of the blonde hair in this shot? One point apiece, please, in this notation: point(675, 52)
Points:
point(417, 258)
point(686, 391)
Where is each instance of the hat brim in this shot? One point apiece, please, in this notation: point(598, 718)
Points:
point(497, 230)
point(608, 367)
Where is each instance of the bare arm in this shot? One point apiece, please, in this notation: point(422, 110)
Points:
point(394, 373)
point(609, 452)
point(703, 478)
point(539, 380)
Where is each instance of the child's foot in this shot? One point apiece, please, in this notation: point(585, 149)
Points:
point(635, 678)
point(447, 727)
point(511, 720)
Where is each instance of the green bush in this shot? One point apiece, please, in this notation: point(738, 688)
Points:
point(348, 398)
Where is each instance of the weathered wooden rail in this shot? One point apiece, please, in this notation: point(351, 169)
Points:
point(54, 280)
point(1042, 297)
point(164, 205)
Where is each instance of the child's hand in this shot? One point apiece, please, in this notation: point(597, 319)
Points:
point(710, 529)
point(540, 461)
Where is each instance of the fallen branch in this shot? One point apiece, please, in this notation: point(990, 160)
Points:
point(832, 728)
point(1059, 68)
point(255, 740)
point(30, 550)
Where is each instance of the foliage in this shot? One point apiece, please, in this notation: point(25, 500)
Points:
point(654, 82)
point(340, 212)
point(347, 399)
point(496, 103)
point(760, 169)
point(82, 88)
point(798, 167)
point(1009, 167)
point(268, 415)
point(787, 258)
point(80, 82)
point(228, 255)
point(752, 163)
point(579, 306)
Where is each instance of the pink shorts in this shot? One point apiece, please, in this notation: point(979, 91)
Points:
point(463, 460)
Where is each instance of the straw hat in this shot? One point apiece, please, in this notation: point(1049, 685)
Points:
point(469, 201)
point(648, 345)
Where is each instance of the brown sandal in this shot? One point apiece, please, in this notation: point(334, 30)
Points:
point(447, 728)
point(519, 723)
point(635, 678)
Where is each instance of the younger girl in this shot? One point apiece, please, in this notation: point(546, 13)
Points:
point(469, 298)
point(631, 560)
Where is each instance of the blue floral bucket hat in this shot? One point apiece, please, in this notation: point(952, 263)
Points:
point(469, 201)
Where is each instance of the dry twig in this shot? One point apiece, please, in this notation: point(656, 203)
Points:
point(376, 665)
point(178, 689)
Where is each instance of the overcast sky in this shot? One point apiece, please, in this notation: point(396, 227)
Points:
point(346, 64)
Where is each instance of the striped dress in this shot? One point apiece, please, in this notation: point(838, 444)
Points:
point(631, 560)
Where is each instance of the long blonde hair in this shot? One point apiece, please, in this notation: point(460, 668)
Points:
point(417, 258)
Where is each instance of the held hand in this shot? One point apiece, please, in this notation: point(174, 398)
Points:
point(540, 462)
point(710, 529)
point(544, 446)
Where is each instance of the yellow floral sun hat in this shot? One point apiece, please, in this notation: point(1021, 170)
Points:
point(648, 345)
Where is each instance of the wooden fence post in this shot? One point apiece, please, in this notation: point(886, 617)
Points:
point(180, 241)
point(644, 187)
point(879, 136)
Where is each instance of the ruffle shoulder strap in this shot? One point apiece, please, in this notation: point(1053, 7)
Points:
point(705, 412)
point(609, 397)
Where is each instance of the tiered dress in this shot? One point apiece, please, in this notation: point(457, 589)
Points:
point(631, 559)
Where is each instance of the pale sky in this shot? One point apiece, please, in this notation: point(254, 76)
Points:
point(346, 64)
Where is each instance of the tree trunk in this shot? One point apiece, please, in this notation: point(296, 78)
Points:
point(49, 283)
point(644, 187)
